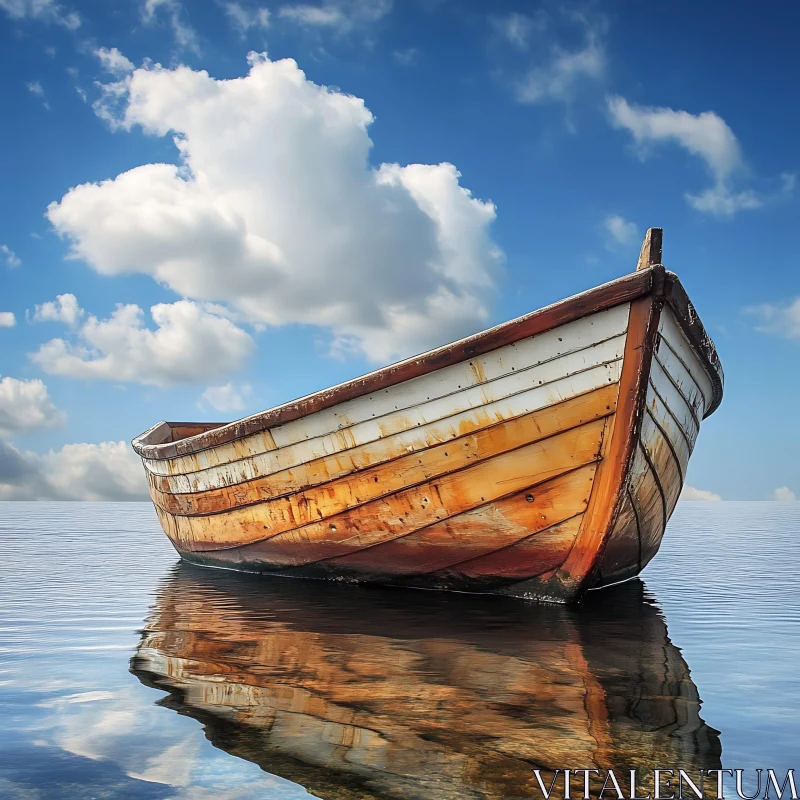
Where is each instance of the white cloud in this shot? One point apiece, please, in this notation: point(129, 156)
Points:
point(152, 11)
point(42, 10)
point(784, 495)
point(105, 471)
point(559, 78)
point(25, 406)
point(35, 88)
point(621, 231)
point(227, 397)
point(705, 135)
point(690, 493)
point(7, 319)
point(322, 16)
point(516, 28)
point(127, 729)
point(10, 257)
point(64, 309)
point(190, 343)
point(244, 18)
point(392, 259)
point(341, 16)
point(721, 202)
point(113, 61)
point(778, 319)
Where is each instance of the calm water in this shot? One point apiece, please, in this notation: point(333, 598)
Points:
point(124, 674)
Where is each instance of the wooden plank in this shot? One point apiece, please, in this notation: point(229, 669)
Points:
point(608, 490)
point(693, 329)
point(674, 401)
point(525, 559)
point(677, 341)
point(315, 489)
point(401, 513)
point(589, 336)
point(284, 464)
point(370, 420)
point(615, 293)
point(664, 418)
point(472, 403)
point(647, 494)
point(152, 445)
point(650, 253)
point(476, 535)
point(681, 377)
point(666, 461)
point(640, 524)
point(432, 556)
point(622, 557)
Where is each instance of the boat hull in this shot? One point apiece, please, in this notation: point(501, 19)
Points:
point(541, 467)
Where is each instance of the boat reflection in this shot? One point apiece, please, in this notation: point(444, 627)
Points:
point(358, 692)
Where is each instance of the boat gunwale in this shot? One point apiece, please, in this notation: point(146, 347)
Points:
point(621, 290)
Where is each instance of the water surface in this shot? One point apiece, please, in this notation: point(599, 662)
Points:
point(125, 674)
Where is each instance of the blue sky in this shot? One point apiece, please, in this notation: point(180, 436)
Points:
point(467, 163)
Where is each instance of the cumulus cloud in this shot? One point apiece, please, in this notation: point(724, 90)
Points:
point(10, 257)
point(173, 14)
point(780, 319)
point(243, 18)
point(42, 10)
point(622, 231)
point(7, 319)
point(25, 406)
point(64, 309)
point(705, 135)
point(113, 61)
point(105, 471)
point(340, 16)
point(276, 210)
point(228, 397)
point(784, 494)
point(190, 343)
point(690, 493)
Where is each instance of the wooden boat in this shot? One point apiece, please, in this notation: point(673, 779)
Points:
point(540, 458)
point(353, 694)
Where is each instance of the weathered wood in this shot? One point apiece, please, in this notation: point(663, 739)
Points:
point(471, 539)
point(317, 488)
point(675, 339)
point(398, 513)
point(584, 363)
point(650, 254)
point(609, 489)
point(656, 475)
point(540, 459)
point(701, 342)
point(611, 294)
